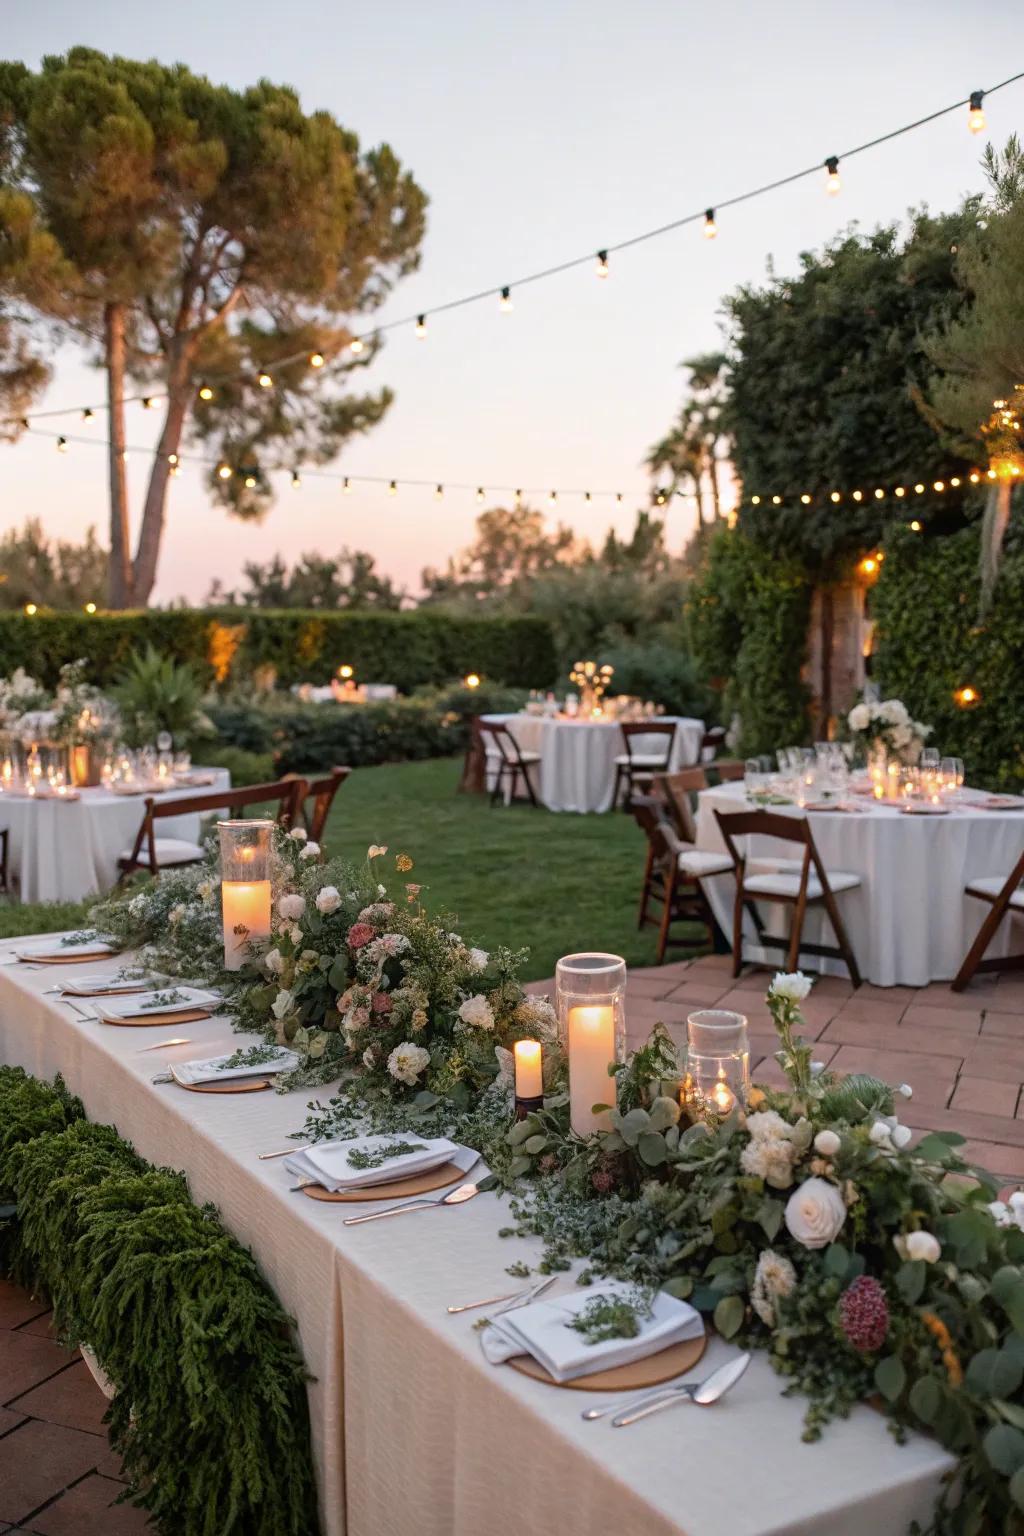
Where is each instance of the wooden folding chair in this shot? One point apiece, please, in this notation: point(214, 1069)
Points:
point(322, 793)
point(4, 886)
point(474, 764)
point(512, 763)
point(728, 770)
point(675, 791)
point(712, 740)
point(672, 874)
point(152, 853)
point(1004, 896)
point(637, 769)
point(808, 885)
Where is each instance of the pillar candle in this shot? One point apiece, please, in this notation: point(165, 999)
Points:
point(244, 903)
point(529, 1072)
point(591, 1049)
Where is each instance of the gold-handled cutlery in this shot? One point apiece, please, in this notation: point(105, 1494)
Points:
point(519, 1298)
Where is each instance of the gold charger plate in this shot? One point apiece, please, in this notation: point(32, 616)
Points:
point(143, 1020)
point(239, 1085)
point(87, 959)
point(649, 1372)
point(414, 1184)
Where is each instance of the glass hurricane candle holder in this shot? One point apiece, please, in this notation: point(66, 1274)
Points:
point(590, 998)
point(245, 886)
point(717, 1063)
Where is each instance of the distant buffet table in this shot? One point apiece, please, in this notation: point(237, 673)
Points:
point(65, 849)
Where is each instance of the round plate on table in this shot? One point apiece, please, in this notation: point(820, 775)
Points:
point(398, 1189)
point(239, 1085)
point(649, 1372)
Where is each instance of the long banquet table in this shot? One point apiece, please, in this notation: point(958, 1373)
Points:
point(63, 850)
point(414, 1433)
point(908, 921)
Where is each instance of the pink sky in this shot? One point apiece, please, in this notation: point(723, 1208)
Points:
point(541, 131)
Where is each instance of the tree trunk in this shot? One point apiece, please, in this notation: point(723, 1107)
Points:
point(716, 497)
point(151, 532)
point(827, 630)
point(120, 574)
point(698, 496)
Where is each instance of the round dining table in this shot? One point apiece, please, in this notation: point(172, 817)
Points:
point(576, 771)
point(66, 849)
point(908, 921)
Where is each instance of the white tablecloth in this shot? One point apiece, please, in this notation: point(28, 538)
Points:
point(577, 757)
point(414, 1433)
point(908, 921)
point(62, 850)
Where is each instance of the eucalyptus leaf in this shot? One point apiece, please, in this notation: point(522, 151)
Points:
point(664, 1112)
point(1004, 1447)
point(728, 1316)
point(926, 1399)
point(1008, 1290)
point(890, 1377)
point(994, 1373)
point(910, 1280)
point(651, 1148)
point(535, 1145)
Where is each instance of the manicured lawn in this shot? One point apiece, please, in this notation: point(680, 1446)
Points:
point(525, 878)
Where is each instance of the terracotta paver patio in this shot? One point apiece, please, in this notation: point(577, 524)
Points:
point(963, 1055)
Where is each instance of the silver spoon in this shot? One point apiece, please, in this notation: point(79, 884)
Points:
point(454, 1197)
point(707, 1392)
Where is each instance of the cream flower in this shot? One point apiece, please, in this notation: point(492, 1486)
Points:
point(827, 1143)
point(291, 907)
point(794, 986)
point(310, 850)
point(477, 1012)
point(298, 834)
point(815, 1213)
point(176, 914)
point(859, 717)
point(376, 850)
point(922, 1245)
point(769, 1160)
point(274, 961)
point(407, 1061)
point(368, 1057)
point(774, 1277)
point(328, 899)
point(282, 1004)
point(478, 959)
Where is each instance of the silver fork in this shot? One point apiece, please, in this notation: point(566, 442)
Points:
point(510, 1300)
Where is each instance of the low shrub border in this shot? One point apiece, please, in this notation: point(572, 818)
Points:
point(210, 1416)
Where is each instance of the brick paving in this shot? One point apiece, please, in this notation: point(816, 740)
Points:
point(963, 1054)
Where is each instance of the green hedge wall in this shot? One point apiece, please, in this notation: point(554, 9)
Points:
point(929, 643)
point(409, 649)
point(210, 1414)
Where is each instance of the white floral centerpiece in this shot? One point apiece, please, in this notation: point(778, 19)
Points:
point(884, 725)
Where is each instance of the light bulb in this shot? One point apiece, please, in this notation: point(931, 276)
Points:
point(805, 499)
point(88, 417)
point(296, 479)
point(602, 263)
point(62, 445)
point(618, 497)
point(955, 482)
point(421, 325)
point(479, 493)
point(586, 495)
point(919, 488)
point(660, 498)
point(30, 609)
point(356, 345)
point(776, 501)
point(552, 498)
point(316, 359)
point(858, 495)
point(833, 185)
point(755, 501)
point(346, 486)
point(505, 302)
point(835, 496)
point(710, 227)
point(975, 113)
point(205, 392)
point(940, 485)
point(148, 402)
point(899, 491)
point(224, 471)
point(172, 458)
point(392, 487)
point(518, 498)
point(250, 482)
point(879, 494)
point(90, 607)
point(438, 492)
point(265, 381)
point(175, 470)
point(915, 526)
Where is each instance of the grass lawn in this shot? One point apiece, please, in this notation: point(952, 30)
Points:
point(516, 876)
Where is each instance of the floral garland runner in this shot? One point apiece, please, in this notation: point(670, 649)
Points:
point(808, 1227)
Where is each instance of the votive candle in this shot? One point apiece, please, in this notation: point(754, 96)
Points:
point(245, 904)
point(529, 1070)
point(591, 1052)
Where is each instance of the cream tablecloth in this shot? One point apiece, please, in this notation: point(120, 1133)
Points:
point(414, 1433)
point(577, 757)
point(62, 850)
point(908, 921)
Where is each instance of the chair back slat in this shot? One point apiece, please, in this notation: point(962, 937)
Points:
point(288, 792)
point(322, 793)
point(632, 729)
point(675, 790)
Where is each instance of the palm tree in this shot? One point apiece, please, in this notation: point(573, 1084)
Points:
point(682, 453)
point(707, 383)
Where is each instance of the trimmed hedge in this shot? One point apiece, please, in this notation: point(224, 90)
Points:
point(929, 643)
point(210, 1415)
point(411, 650)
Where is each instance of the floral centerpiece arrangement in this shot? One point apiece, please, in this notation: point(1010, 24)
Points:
point(884, 725)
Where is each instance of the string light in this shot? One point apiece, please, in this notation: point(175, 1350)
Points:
point(356, 345)
point(879, 494)
point(976, 113)
point(602, 264)
point(479, 493)
point(659, 499)
point(552, 498)
point(518, 499)
point(205, 392)
point(919, 488)
point(316, 359)
point(148, 402)
point(835, 496)
point(915, 526)
point(62, 445)
point(88, 416)
point(175, 470)
point(869, 565)
point(31, 608)
point(265, 381)
point(776, 501)
point(618, 497)
point(421, 325)
point(967, 696)
point(833, 186)
point(756, 500)
point(899, 491)
point(505, 301)
point(296, 479)
point(438, 492)
point(224, 471)
point(250, 482)
point(858, 495)
point(805, 499)
point(346, 486)
point(172, 458)
point(710, 227)
point(90, 607)
point(392, 487)
point(586, 497)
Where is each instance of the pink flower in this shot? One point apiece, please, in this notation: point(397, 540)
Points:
point(603, 1181)
point(358, 935)
point(864, 1314)
point(381, 1002)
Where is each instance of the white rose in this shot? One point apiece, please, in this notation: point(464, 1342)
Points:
point(291, 907)
point(1000, 1213)
point(294, 933)
point(859, 717)
point(310, 851)
point(879, 1134)
point(407, 1061)
point(478, 959)
point(794, 986)
point(827, 1143)
point(922, 1245)
point(815, 1213)
point(298, 834)
point(1016, 1204)
point(368, 1057)
point(282, 1004)
point(328, 899)
point(477, 1012)
point(901, 1136)
point(274, 961)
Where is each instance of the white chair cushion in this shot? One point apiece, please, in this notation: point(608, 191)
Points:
point(169, 850)
point(700, 862)
point(990, 885)
point(642, 760)
point(789, 885)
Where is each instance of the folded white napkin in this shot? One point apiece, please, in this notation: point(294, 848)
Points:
point(187, 999)
point(106, 981)
point(541, 1330)
point(328, 1162)
point(53, 947)
point(212, 1070)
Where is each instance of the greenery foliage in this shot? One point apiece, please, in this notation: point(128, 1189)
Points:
point(210, 1413)
point(929, 644)
point(53, 573)
point(408, 649)
point(155, 693)
point(747, 613)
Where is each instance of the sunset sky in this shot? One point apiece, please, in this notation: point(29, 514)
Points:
point(541, 130)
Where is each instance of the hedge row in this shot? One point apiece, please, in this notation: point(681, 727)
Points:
point(411, 649)
point(210, 1415)
point(931, 641)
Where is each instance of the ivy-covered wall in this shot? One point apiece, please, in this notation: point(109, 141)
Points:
point(930, 642)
